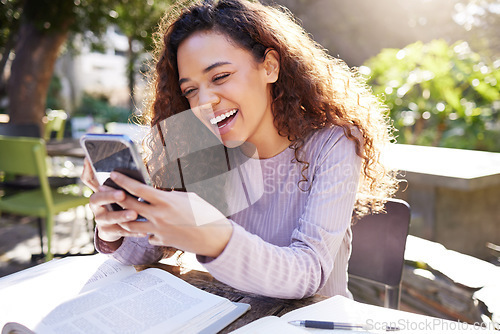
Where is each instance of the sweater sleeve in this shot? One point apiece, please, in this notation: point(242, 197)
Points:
point(132, 251)
point(300, 269)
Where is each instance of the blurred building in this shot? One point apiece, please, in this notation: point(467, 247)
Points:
point(99, 71)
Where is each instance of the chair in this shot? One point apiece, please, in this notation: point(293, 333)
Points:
point(378, 246)
point(13, 181)
point(25, 130)
point(26, 156)
point(56, 121)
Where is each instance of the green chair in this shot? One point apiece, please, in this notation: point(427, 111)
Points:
point(13, 182)
point(26, 156)
point(56, 121)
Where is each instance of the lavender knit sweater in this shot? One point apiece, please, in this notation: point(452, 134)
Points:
point(290, 243)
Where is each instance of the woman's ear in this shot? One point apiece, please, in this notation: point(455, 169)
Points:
point(272, 65)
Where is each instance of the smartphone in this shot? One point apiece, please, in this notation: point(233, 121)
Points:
point(114, 152)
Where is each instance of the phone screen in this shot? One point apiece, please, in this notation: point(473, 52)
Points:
point(109, 155)
point(113, 155)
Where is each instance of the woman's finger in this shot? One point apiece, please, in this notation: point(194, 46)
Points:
point(105, 217)
point(102, 198)
point(116, 232)
point(135, 187)
point(142, 208)
point(88, 177)
point(138, 227)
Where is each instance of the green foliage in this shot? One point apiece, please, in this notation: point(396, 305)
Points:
point(138, 19)
point(49, 15)
point(10, 18)
point(54, 94)
point(440, 95)
point(99, 108)
point(52, 15)
point(10, 12)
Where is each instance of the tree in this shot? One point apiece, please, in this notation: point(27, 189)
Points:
point(40, 37)
point(44, 27)
point(440, 94)
point(10, 12)
point(137, 19)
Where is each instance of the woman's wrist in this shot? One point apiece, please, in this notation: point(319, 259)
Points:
point(107, 243)
point(219, 243)
point(108, 237)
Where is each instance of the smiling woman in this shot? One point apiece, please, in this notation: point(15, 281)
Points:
point(306, 128)
point(228, 87)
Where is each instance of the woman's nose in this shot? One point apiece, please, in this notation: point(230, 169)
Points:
point(208, 97)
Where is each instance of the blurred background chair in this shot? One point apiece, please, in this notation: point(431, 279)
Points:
point(13, 181)
point(378, 246)
point(27, 156)
point(55, 125)
point(55, 122)
point(24, 130)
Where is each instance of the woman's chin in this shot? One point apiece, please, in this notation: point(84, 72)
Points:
point(231, 143)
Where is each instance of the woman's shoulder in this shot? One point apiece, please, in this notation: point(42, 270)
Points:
point(321, 142)
point(324, 135)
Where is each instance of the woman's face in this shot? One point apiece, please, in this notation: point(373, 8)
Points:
point(227, 89)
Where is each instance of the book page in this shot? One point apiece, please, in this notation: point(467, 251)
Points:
point(151, 301)
point(269, 324)
point(16, 328)
point(110, 270)
point(336, 308)
point(342, 309)
point(29, 295)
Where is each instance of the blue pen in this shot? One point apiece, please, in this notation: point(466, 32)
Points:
point(335, 325)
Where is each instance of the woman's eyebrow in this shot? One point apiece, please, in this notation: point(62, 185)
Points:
point(211, 67)
point(206, 70)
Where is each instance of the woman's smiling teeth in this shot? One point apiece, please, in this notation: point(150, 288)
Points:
point(222, 117)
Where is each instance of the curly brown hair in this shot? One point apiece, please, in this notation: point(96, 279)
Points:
point(314, 90)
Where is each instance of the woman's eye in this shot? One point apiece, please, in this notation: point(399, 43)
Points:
point(188, 92)
point(220, 77)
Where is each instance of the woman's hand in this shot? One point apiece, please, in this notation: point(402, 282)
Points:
point(178, 219)
point(107, 222)
point(88, 177)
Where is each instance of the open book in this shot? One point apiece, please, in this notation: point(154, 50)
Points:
point(94, 294)
point(336, 308)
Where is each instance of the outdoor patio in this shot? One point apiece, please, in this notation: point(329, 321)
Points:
point(19, 239)
point(436, 281)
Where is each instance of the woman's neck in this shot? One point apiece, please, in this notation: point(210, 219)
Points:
point(267, 148)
